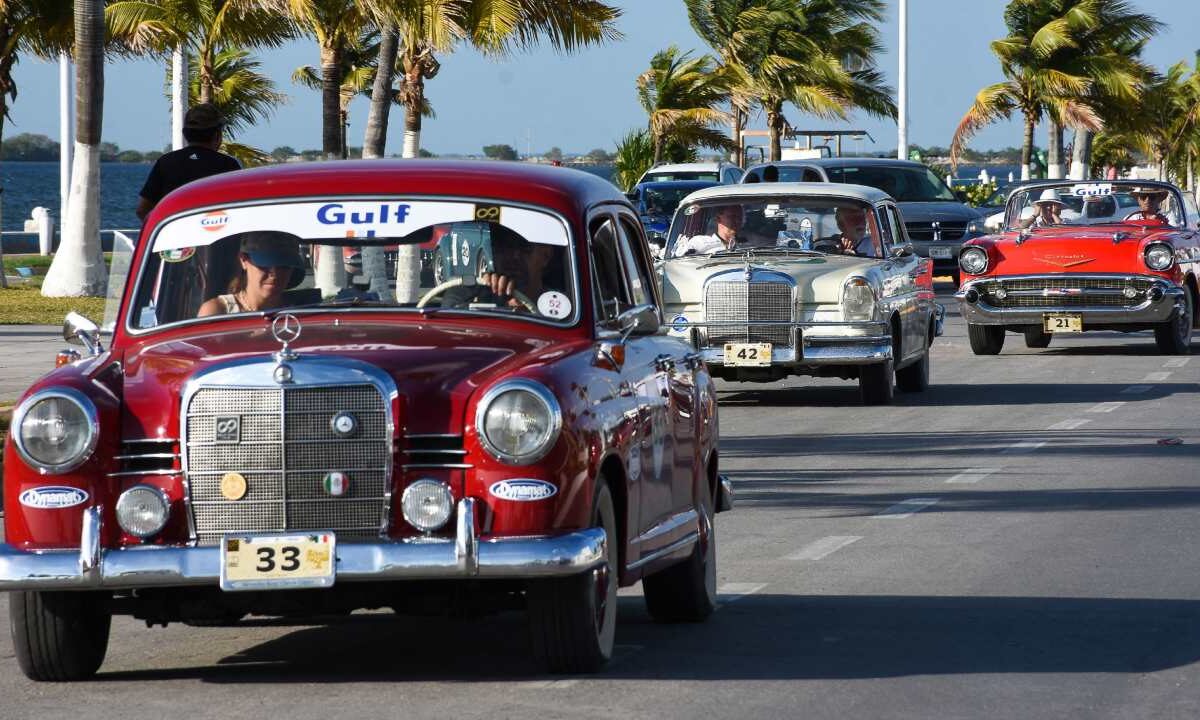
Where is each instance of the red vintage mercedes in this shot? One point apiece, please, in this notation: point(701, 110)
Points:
point(1079, 256)
point(257, 438)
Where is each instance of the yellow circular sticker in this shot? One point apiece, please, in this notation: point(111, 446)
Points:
point(233, 486)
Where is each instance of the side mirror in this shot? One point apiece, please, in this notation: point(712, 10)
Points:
point(78, 330)
point(638, 320)
point(904, 250)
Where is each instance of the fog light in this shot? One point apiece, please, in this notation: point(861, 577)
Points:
point(972, 295)
point(143, 510)
point(1155, 293)
point(999, 293)
point(427, 504)
point(1129, 292)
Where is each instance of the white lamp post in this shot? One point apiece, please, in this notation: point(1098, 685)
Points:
point(902, 93)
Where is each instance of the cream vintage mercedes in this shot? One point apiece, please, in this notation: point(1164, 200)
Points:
point(777, 279)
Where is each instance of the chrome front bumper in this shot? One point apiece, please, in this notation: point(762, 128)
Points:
point(464, 556)
point(820, 343)
point(981, 312)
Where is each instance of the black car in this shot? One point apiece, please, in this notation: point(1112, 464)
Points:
point(936, 221)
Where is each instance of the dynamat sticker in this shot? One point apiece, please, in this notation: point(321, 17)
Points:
point(52, 497)
point(354, 218)
point(522, 490)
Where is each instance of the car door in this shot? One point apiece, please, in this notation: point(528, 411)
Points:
point(638, 396)
point(902, 275)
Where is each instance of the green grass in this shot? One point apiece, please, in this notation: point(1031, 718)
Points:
point(24, 305)
point(37, 262)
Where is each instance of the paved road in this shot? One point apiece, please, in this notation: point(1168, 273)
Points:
point(1013, 543)
point(26, 353)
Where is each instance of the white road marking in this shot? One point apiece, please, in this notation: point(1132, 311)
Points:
point(1136, 389)
point(732, 592)
point(1156, 377)
point(907, 508)
point(1025, 446)
point(824, 547)
point(1176, 362)
point(1105, 407)
point(973, 475)
point(1071, 424)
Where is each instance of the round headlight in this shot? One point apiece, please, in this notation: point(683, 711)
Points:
point(518, 421)
point(1159, 256)
point(973, 260)
point(427, 504)
point(858, 299)
point(55, 430)
point(143, 510)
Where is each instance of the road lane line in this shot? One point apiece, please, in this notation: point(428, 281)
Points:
point(907, 508)
point(1105, 407)
point(1136, 389)
point(972, 475)
point(1071, 424)
point(1156, 377)
point(1025, 446)
point(824, 547)
point(1176, 362)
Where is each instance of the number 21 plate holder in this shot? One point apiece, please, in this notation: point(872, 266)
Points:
point(278, 562)
point(1060, 323)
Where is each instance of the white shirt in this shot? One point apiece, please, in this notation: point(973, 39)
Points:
point(700, 244)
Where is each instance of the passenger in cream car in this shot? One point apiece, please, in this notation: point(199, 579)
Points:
point(729, 221)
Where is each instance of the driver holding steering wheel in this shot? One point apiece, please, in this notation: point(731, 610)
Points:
point(516, 279)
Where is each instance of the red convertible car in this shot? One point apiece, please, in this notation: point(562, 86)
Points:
point(1127, 259)
point(256, 439)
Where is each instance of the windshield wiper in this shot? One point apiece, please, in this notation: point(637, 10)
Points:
point(344, 302)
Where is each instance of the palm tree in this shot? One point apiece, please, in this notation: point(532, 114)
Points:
point(357, 72)
point(78, 266)
point(819, 56)
point(431, 27)
point(679, 94)
point(1168, 117)
point(634, 156)
point(39, 27)
point(244, 96)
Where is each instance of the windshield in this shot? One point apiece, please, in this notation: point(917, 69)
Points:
point(1092, 203)
point(659, 176)
point(815, 225)
point(663, 200)
point(399, 254)
point(906, 184)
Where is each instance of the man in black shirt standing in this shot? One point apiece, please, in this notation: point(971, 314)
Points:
point(202, 128)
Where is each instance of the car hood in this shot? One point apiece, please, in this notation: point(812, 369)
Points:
point(1071, 251)
point(819, 279)
point(941, 211)
point(435, 367)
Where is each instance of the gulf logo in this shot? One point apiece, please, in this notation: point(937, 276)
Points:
point(214, 221)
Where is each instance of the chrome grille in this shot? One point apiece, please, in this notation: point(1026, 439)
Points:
point(286, 447)
point(1081, 292)
point(746, 302)
point(924, 231)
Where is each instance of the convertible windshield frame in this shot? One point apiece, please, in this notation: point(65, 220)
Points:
point(1081, 190)
point(132, 290)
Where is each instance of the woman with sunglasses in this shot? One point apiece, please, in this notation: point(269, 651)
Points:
point(270, 264)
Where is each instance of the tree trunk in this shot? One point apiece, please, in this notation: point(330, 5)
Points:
point(413, 94)
point(78, 266)
point(1054, 151)
point(736, 127)
point(179, 96)
point(331, 102)
point(1081, 157)
point(375, 138)
point(1027, 148)
point(775, 127)
point(206, 80)
point(3, 114)
point(1191, 175)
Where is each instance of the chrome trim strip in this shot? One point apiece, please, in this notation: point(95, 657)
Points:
point(466, 544)
point(1148, 311)
point(448, 466)
point(684, 542)
point(89, 543)
point(140, 473)
point(435, 436)
point(423, 558)
point(411, 451)
point(147, 456)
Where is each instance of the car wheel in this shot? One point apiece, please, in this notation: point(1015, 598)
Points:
point(687, 591)
point(60, 636)
point(573, 619)
point(986, 339)
point(915, 377)
point(875, 383)
point(1037, 338)
point(1174, 337)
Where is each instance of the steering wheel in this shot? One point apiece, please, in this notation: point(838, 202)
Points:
point(454, 282)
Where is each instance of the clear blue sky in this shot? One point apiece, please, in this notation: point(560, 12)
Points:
point(588, 100)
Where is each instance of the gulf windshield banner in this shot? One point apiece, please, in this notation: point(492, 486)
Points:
point(355, 219)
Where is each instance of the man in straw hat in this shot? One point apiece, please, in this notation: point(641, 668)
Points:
point(1149, 199)
point(1047, 209)
point(203, 129)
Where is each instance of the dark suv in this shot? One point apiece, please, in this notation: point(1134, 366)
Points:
point(936, 220)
